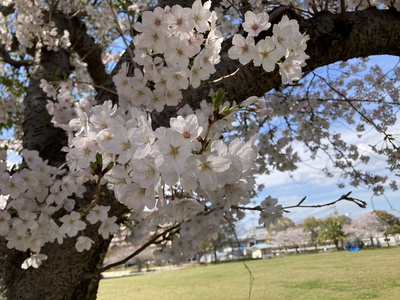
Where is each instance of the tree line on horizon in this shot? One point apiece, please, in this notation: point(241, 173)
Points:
point(335, 228)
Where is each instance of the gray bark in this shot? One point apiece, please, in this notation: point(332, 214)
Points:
point(67, 274)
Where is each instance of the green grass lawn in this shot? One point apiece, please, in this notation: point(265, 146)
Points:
point(366, 274)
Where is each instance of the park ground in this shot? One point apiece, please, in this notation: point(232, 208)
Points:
point(365, 274)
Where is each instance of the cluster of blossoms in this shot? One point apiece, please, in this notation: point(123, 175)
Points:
point(30, 18)
point(143, 167)
point(271, 211)
point(176, 47)
point(286, 42)
point(144, 159)
point(52, 40)
point(9, 106)
point(185, 174)
point(34, 194)
point(29, 24)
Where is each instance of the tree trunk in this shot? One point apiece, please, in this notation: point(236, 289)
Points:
point(66, 274)
point(387, 240)
point(215, 248)
point(139, 265)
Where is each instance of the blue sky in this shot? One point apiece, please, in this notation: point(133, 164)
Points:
point(290, 188)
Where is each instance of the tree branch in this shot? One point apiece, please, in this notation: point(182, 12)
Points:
point(346, 197)
point(15, 63)
point(333, 37)
point(7, 10)
point(143, 247)
point(84, 45)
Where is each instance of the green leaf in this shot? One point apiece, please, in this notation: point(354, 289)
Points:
point(217, 99)
point(108, 167)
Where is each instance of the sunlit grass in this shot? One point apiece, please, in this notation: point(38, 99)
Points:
point(367, 274)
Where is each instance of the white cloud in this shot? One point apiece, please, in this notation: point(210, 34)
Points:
point(309, 181)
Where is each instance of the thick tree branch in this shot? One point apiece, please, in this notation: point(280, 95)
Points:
point(7, 10)
point(333, 37)
point(39, 133)
point(15, 63)
point(84, 45)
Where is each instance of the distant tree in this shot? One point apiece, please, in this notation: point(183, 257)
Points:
point(394, 229)
point(203, 250)
point(292, 236)
point(389, 222)
point(144, 258)
point(366, 225)
point(282, 239)
point(332, 230)
point(312, 226)
point(298, 236)
point(283, 224)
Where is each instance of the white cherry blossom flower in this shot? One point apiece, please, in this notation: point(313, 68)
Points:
point(290, 69)
point(286, 34)
point(171, 151)
point(72, 224)
point(255, 23)
point(268, 55)
point(243, 49)
point(26, 220)
point(35, 260)
point(155, 19)
point(181, 19)
point(83, 243)
point(197, 74)
point(189, 127)
point(175, 78)
point(108, 227)
point(201, 15)
point(206, 167)
point(97, 213)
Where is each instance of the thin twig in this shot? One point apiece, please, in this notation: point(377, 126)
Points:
point(251, 277)
point(128, 48)
point(346, 197)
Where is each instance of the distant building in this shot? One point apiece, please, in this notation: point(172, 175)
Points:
point(263, 251)
point(257, 235)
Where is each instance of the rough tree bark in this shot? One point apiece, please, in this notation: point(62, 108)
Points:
point(68, 274)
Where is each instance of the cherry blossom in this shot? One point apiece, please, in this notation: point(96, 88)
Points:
point(34, 261)
point(254, 24)
point(83, 243)
point(72, 224)
point(183, 178)
point(243, 49)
